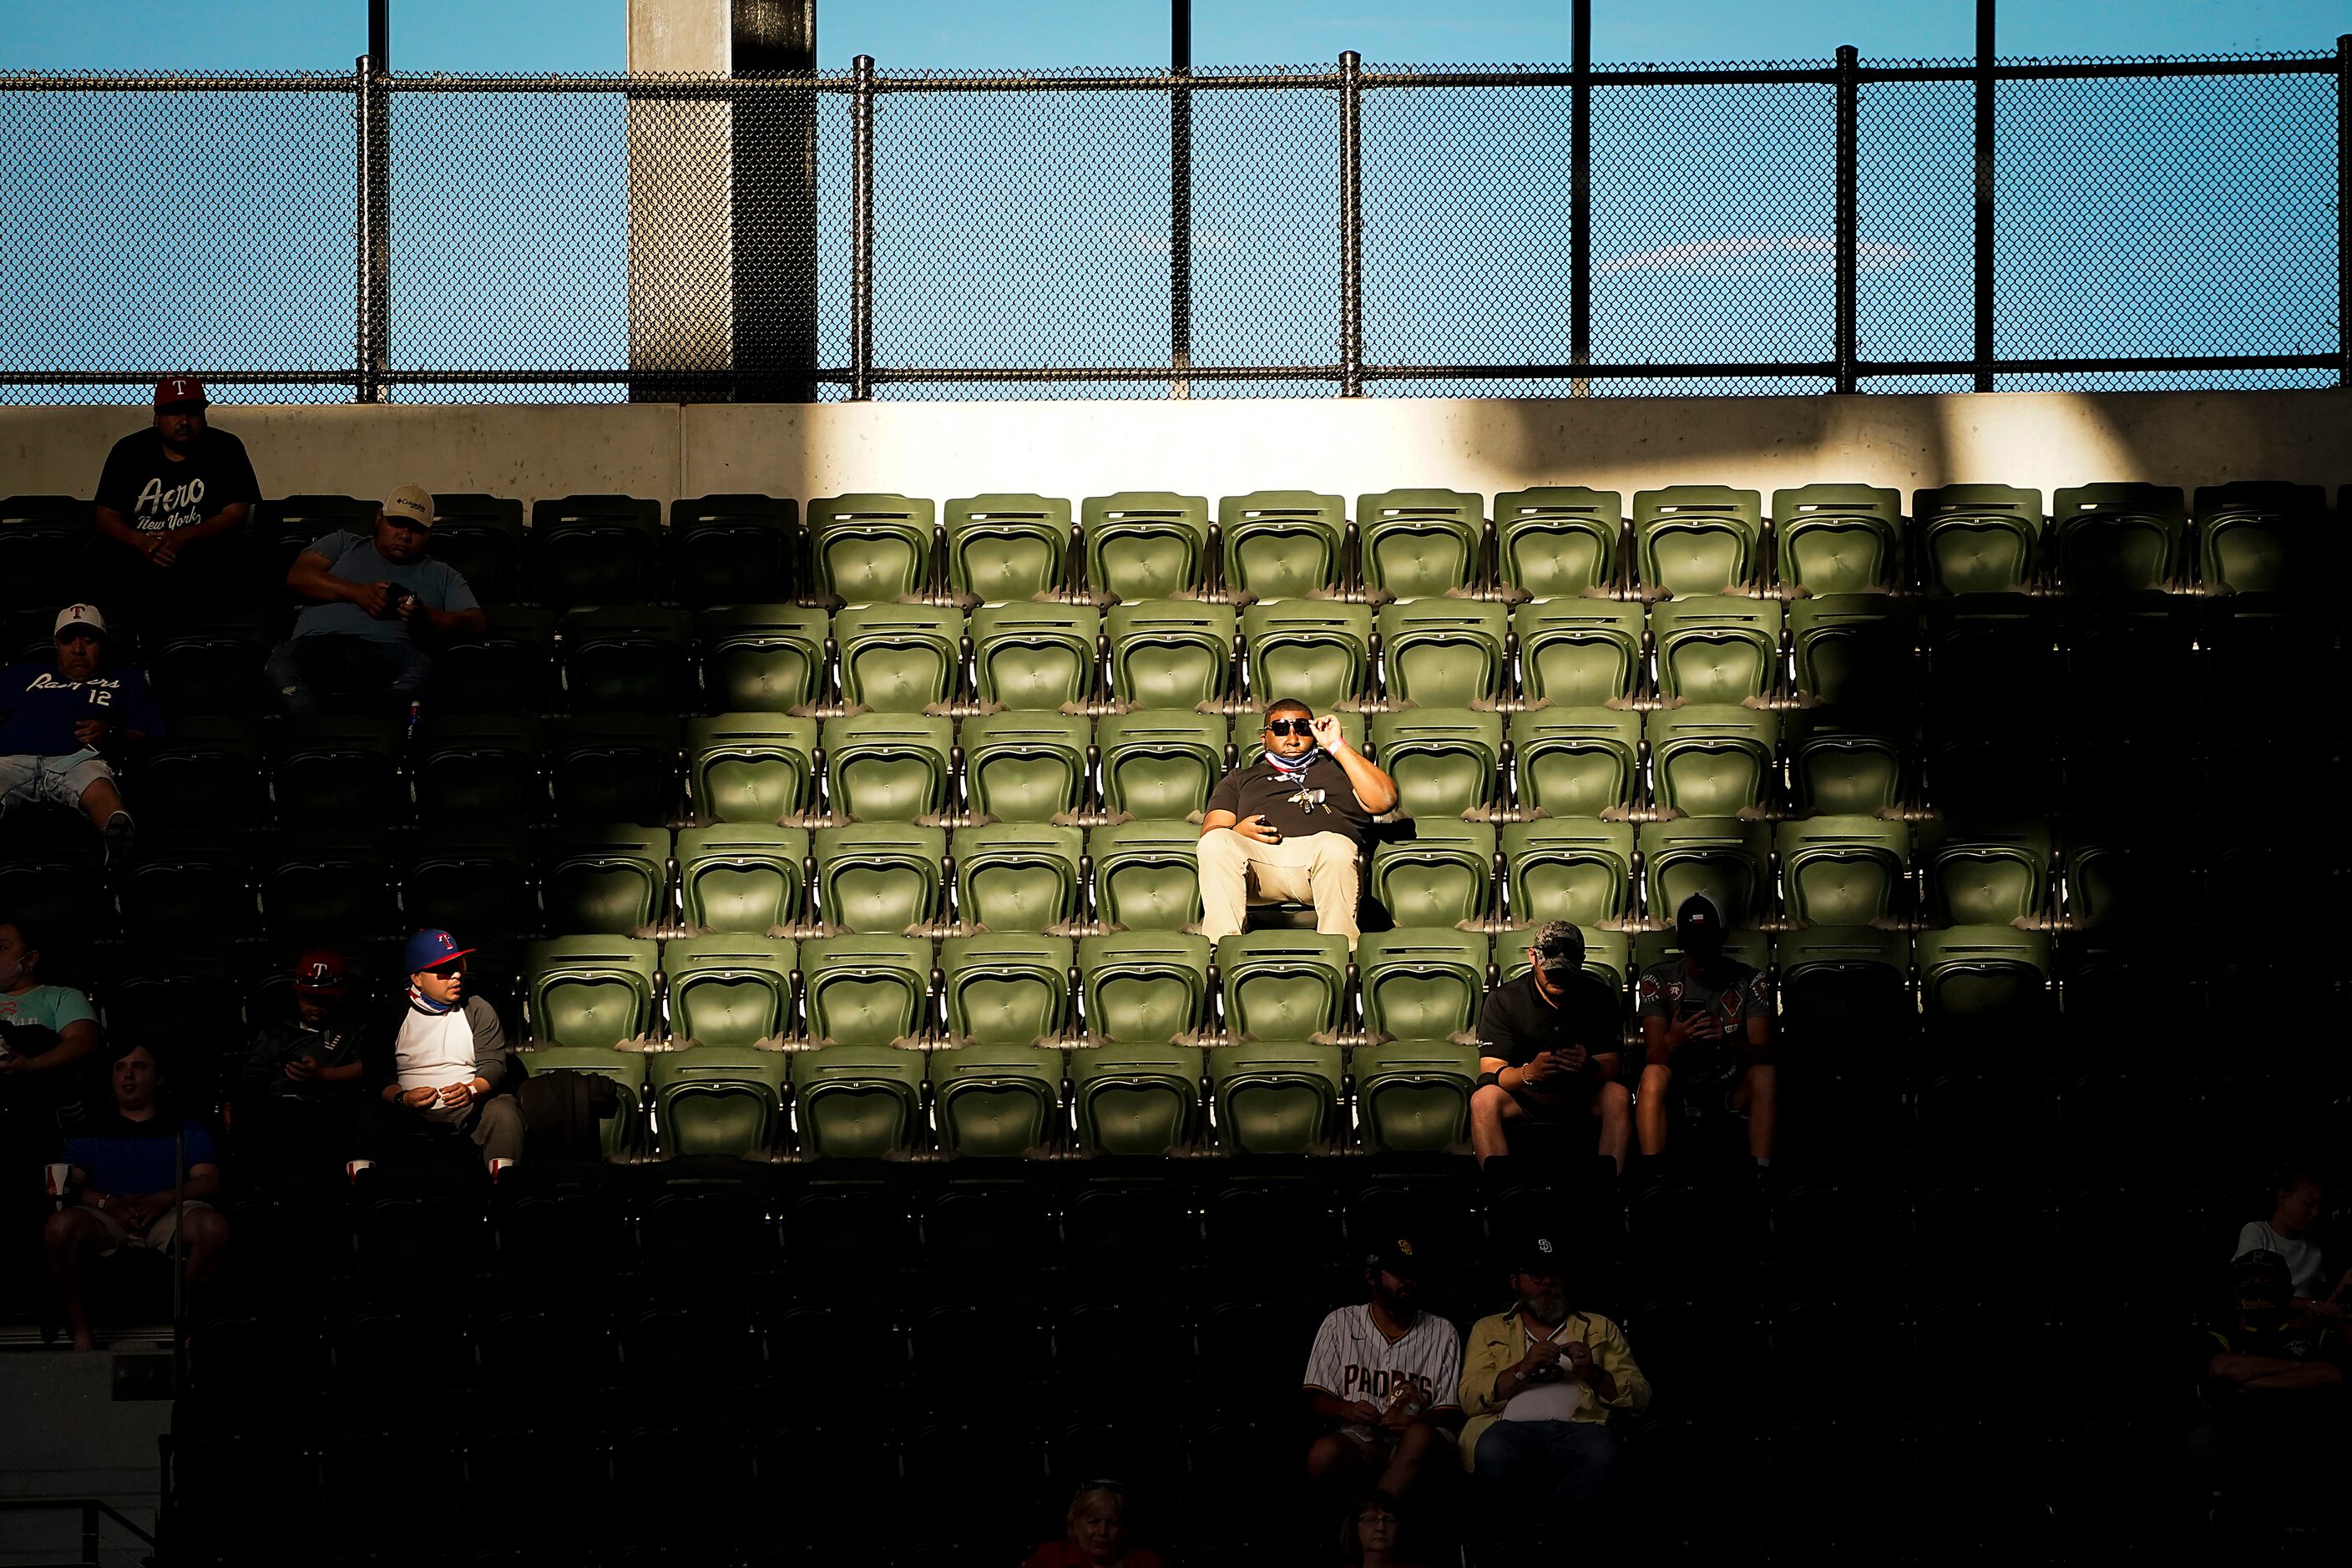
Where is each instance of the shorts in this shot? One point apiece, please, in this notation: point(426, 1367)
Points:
point(157, 1238)
point(27, 780)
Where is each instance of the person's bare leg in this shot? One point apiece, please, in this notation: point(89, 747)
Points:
point(1493, 1111)
point(73, 1236)
point(1760, 1095)
point(1415, 1454)
point(1335, 1468)
point(1650, 1108)
point(203, 1236)
point(1615, 1109)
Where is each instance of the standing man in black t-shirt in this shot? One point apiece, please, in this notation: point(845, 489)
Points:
point(1706, 1035)
point(1295, 820)
point(1547, 1052)
point(171, 507)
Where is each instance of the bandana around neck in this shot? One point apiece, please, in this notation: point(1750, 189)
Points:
point(423, 1004)
point(1290, 767)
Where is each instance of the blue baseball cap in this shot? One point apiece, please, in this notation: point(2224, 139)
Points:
point(432, 948)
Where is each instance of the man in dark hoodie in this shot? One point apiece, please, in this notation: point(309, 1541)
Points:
point(434, 1058)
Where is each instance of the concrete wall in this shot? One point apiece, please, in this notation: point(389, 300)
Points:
point(1215, 448)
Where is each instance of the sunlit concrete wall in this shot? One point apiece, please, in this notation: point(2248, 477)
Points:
point(1215, 448)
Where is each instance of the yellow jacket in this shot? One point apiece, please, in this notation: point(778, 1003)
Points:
point(1498, 1341)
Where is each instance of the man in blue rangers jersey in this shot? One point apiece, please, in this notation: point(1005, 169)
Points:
point(63, 722)
point(1707, 1035)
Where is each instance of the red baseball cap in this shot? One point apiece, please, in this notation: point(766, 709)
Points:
point(174, 390)
point(320, 971)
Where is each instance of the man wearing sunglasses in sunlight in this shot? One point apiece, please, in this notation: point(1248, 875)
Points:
point(1295, 820)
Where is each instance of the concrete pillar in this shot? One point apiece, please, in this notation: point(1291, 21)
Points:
point(681, 202)
point(775, 206)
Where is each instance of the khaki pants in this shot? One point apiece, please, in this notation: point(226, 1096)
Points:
point(1319, 867)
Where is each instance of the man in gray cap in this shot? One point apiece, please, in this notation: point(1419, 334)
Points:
point(371, 597)
point(1707, 1035)
point(1548, 1044)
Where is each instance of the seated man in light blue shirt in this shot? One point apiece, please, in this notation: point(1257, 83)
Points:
point(371, 598)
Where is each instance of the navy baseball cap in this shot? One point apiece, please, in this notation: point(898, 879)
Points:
point(432, 948)
point(1699, 926)
point(1395, 1255)
point(1538, 1255)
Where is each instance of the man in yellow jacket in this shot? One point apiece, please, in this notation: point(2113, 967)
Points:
point(1538, 1384)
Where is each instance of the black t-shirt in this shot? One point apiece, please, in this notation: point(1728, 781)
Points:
point(1260, 791)
point(1517, 1025)
point(157, 495)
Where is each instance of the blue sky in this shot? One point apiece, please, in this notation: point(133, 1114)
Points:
point(587, 34)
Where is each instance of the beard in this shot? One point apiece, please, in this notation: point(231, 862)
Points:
point(1545, 1309)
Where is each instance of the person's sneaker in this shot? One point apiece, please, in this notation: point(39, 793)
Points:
point(117, 834)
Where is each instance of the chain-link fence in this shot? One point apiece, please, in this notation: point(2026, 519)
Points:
point(1800, 227)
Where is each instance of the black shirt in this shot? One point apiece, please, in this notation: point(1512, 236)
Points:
point(1731, 994)
point(1260, 791)
point(1517, 1025)
point(157, 495)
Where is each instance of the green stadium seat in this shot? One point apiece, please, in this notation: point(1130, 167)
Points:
point(1443, 759)
point(1147, 874)
point(2118, 538)
point(1283, 984)
point(1563, 868)
point(604, 881)
point(627, 658)
point(750, 767)
point(1577, 762)
point(1982, 762)
point(719, 1100)
point(1984, 876)
point(472, 771)
point(1145, 545)
point(482, 537)
point(1136, 1099)
point(1421, 983)
point(1696, 539)
point(1443, 652)
point(624, 1132)
point(1006, 989)
point(509, 669)
point(281, 530)
point(1989, 984)
point(741, 879)
point(878, 877)
point(1752, 948)
point(613, 767)
point(1036, 657)
point(339, 767)
point(1282, 544)
point(2131, 647)
point(1017, 876)
point(1848, 761)
point(1580, 653)
point(211, 662)
point(1441, 875)
point(898, 658)
point(1413, 1096)
point(730, 991)
point(1025, 767)
point(1839, 539)
point(317, 887)
point(1608, 955)
point(1721, 857)
point(762, 658)
point(1171, 653)
point(476, 882)
point(866, 990)
point(1978, 539)
point(2258, 536)
point(592, 991)
point(858, 1101)
point(1005, 549)
point(996, 1101)
point(1716, 649)
point(870, 549)
point(1844, 871)
point(210, 770)
point(1853, 649)
point(1710, 760)
point(1559, 541)
point(1276, 1097)
point(1991, 647)
point(1143, 986)
point(1157, 764)
point(41, 542)
point(886, 767)
point(2118, 887)
point(1845, 986)
point(1420, 545)
point(734, 549)
point(1308, 651)
point(596, 550)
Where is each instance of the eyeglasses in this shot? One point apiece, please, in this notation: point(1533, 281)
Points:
point(1290, 726)
point(1376, 1518)
point(448, 971)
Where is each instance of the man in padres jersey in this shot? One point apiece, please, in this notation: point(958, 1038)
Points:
point(1383, 1372)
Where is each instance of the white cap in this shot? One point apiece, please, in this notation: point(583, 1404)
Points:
point(79, 616)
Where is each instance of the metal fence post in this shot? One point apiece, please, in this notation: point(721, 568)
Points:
point(861, 230)
point(1351, 225)
point(1579, 201)
point(373, 112)
point(1982, 348)
point(1179, 199)
point(2344, 209)
point(1849, 115)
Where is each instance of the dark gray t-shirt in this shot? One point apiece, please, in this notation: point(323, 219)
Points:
point(1293, 808)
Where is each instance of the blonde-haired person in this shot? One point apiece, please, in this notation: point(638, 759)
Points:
point(1095, 1533)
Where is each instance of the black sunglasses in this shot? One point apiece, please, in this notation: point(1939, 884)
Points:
point(1290, 726)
